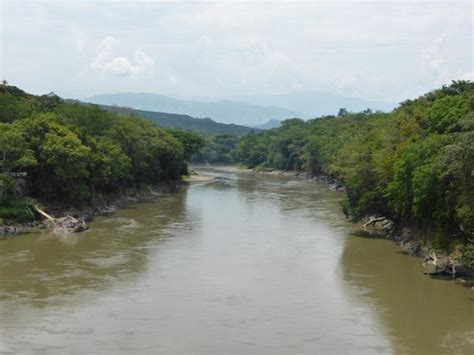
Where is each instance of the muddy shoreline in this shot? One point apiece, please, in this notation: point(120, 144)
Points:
point(104, 204)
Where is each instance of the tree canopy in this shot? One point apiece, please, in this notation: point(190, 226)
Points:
point(72, 152)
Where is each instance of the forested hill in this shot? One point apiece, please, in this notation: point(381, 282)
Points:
point(185, 122)
point(414, 165)
point(74, 153)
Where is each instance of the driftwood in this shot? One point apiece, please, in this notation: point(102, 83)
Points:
point(44, 214)
point(441, 266)
point(66, 224)
point(373, 221)
point(69, 224)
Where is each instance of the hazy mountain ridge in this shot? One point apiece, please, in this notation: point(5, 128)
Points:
point(185, 122)
point(249, 110)
point(269, 124)
point(224, 111)
point(316, 103)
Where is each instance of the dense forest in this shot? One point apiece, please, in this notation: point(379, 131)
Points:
point(56, 150)
point(218, 149)
point(414, 165)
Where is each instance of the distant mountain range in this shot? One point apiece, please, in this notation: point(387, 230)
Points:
point(184, 122)
point(312, 104)
point(225, 111)
point(259, 110)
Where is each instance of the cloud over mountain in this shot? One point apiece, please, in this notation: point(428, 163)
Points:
point(105, 60)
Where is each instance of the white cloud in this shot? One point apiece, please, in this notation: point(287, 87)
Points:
point(434, 59)
point(105, 60)
point(433, 53)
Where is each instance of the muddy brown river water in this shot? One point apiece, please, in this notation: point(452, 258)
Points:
point(245, 264)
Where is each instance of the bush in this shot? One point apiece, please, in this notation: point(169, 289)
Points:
point(467, 254)
point(17, 210)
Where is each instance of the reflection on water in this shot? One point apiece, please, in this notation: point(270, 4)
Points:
point(244, 264)
point(36, 268)
point(422, 315)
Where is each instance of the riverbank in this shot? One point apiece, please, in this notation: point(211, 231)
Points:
point(103, 205)
point(194, 177)
point(436, 262)
point(416, 244)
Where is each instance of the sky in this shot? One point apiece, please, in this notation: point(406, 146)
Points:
point(376, 50)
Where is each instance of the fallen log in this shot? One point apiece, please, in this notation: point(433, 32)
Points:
point(66, 224)
point(44, 214)
point(373, 221)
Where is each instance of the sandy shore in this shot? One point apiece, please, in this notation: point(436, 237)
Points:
point(197, 178)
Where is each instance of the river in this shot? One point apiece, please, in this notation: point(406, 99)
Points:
point(245, 264)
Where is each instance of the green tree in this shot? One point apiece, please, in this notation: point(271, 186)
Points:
point(63, 163)
point(15, 154)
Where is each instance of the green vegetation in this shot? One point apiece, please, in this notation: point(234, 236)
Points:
point(16, 209)
point(218, 149)
point(414, 165)
point(212, 143)
point(73, 153)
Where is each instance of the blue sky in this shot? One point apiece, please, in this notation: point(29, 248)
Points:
point(376, 50)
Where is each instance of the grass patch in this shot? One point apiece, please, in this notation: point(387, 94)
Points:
point(17, 210)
